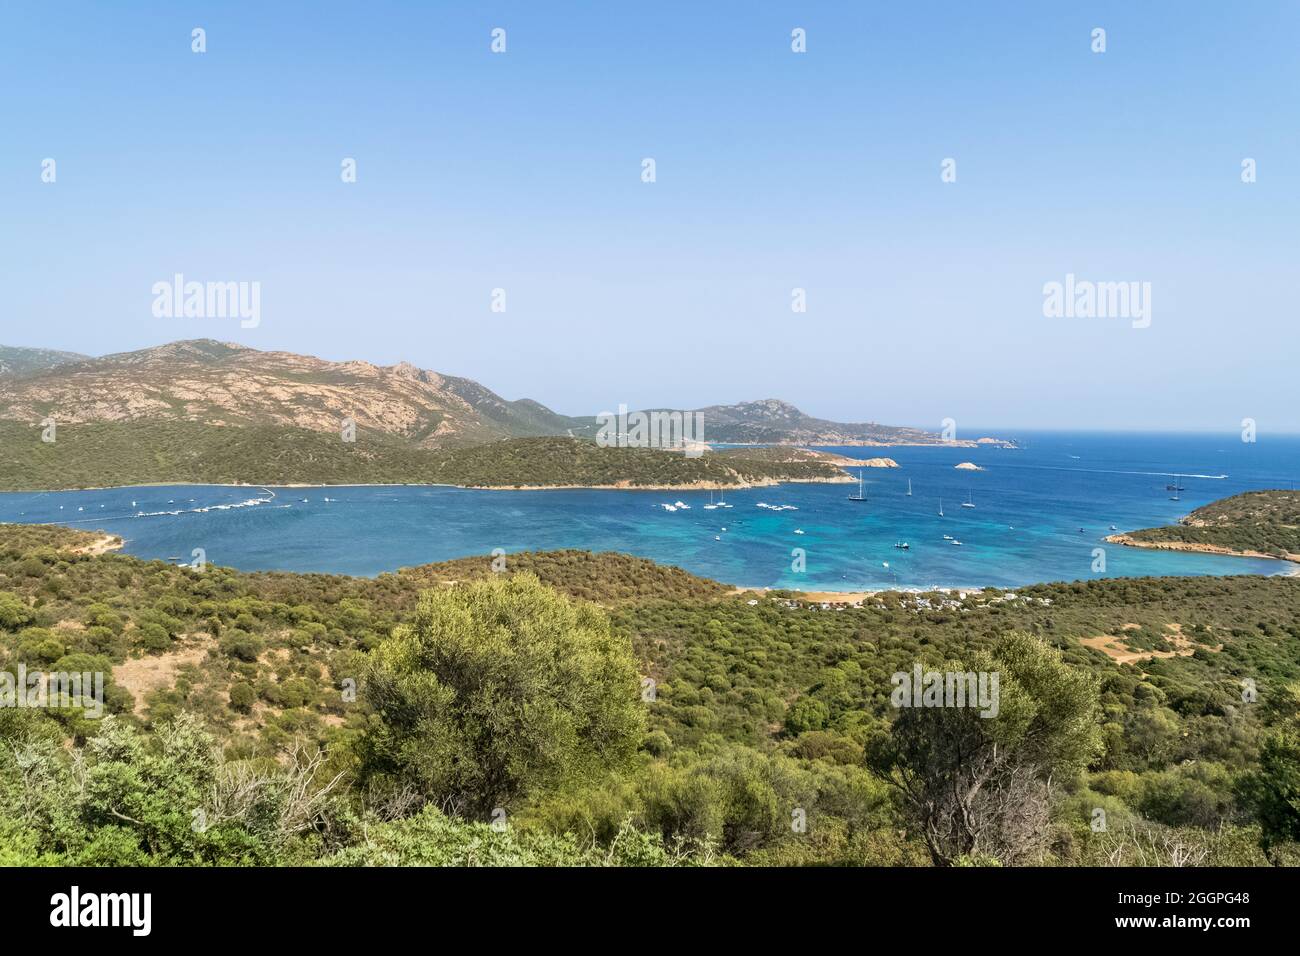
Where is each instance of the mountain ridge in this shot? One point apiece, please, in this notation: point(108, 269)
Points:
point(16, 360)
point(229, 384)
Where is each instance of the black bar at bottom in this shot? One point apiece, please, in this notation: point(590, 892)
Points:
point(335, 906)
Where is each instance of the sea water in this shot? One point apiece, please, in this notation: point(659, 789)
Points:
point(1041, 513)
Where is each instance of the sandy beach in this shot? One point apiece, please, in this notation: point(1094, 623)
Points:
point(101, 545)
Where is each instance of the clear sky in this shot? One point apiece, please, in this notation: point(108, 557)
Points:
point(775, 170)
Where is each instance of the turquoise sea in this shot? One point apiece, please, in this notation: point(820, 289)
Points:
point(1040, 511)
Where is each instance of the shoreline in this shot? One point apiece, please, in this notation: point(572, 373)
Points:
point(102, 545)
point(857, 597)
point(693, 486)
point(864, 443)
point(622, 486)
point(1196, 548)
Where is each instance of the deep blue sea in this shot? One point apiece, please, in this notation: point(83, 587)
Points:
point(1040, 511)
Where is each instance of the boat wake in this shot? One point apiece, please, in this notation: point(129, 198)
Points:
point(249, 503)
point(1112, 471)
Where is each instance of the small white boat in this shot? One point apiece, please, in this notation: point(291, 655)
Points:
point(969, 502)
point(798, 530)
point(955, 541)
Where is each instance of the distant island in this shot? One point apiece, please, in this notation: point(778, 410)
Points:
point(1254, 524)
point(206, 411)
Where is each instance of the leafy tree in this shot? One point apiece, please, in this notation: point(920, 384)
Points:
point(808, 713)
point(496, 688)
point(1274, 789)
point(152, 637)
point(242, 696)
point(14, 612)
point(39, 646)
point(101, 615)
point(978, 787)
point(242, 646)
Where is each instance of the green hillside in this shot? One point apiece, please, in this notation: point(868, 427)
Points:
point(326, 719)
point(109, 454)
point(1263, 522)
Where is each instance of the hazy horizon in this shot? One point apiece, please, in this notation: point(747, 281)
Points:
point(775, 171)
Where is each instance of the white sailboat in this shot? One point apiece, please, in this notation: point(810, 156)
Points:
point(909, 488)
point(940, 507)
point(859, 496)
point(969, 502)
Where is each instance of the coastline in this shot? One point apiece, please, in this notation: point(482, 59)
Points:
point(816, 597)
point(1194, 547)
point(867, 443)
point(857, 597)
point(620, 486)
point(102, 545)
point(690, 486)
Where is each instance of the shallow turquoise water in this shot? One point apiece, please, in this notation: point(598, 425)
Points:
point(1030, 504)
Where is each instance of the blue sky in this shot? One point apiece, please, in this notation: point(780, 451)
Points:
point(775, 170)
